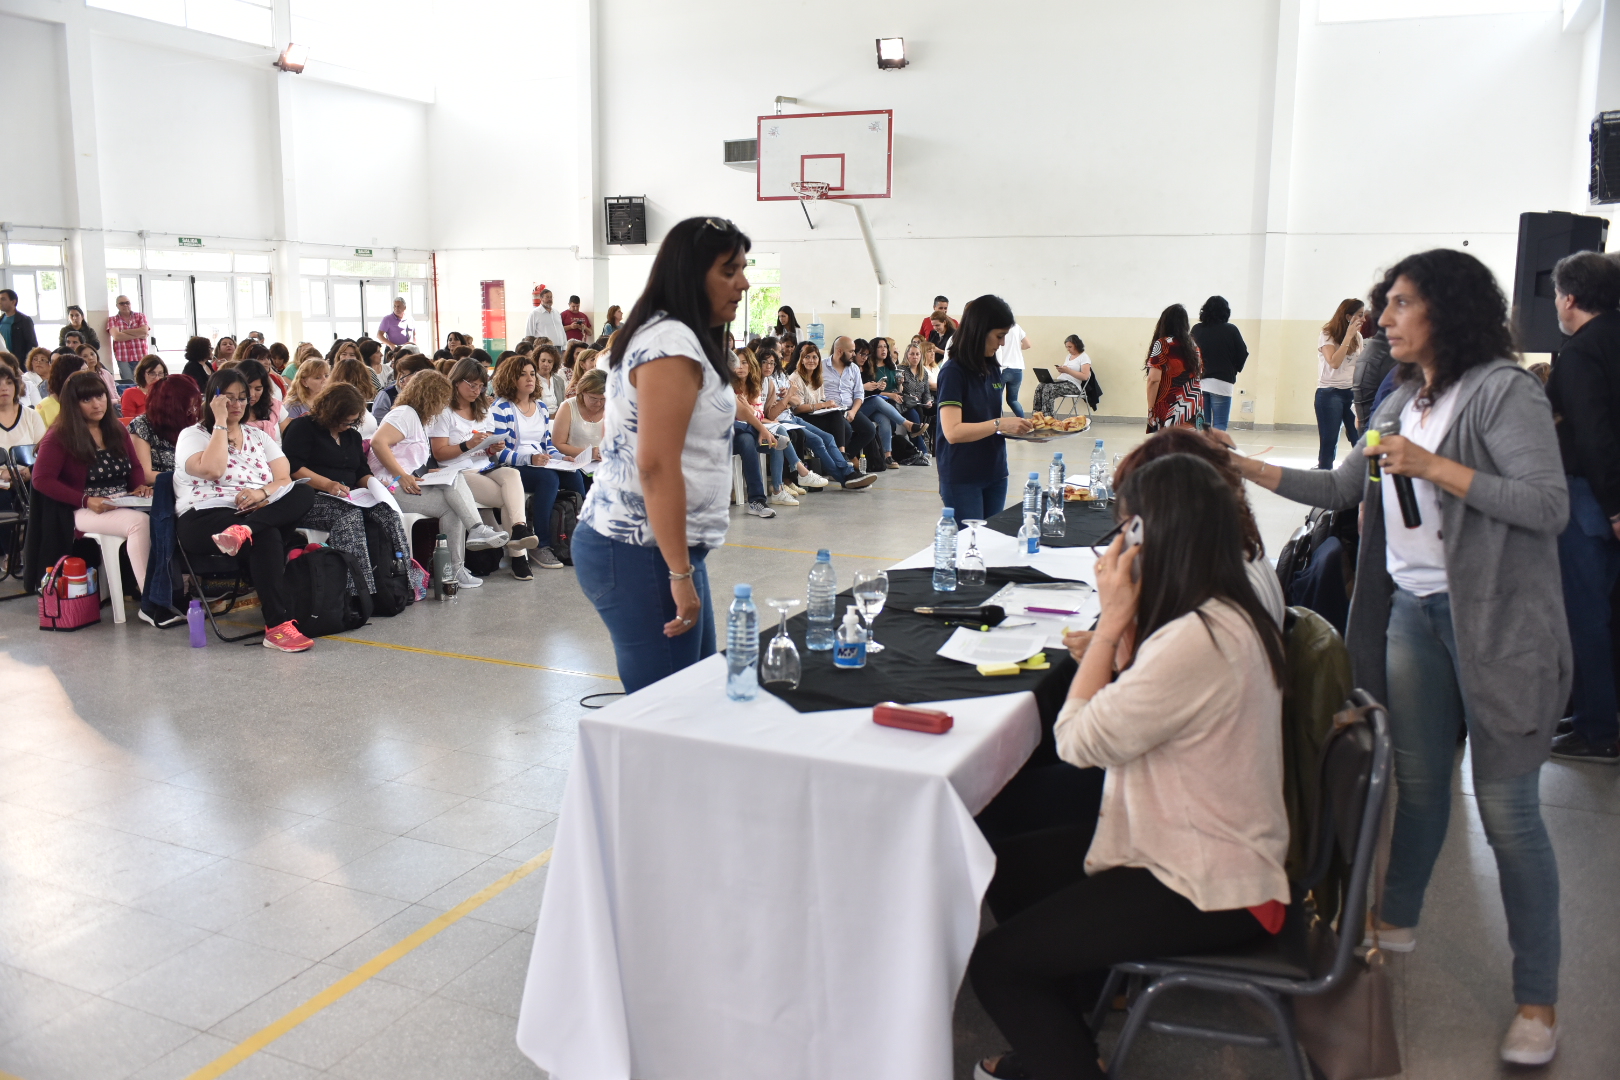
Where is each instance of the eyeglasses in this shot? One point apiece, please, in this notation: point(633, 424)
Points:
point(235, 399)
point(719, 224)
point(473, 381)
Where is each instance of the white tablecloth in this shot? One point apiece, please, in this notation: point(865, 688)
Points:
point(744, 892)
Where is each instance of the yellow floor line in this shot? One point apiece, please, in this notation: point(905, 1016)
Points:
point(468, 656)
point(804, 551)
point(267, 1035)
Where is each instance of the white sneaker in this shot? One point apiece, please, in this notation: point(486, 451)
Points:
point(759, 509)
point(1529, 1042)
point(467, 579)
point(813, 480)
point(1400, 940)
point(484, 537)
point(782, 498)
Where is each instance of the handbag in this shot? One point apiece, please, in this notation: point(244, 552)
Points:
point(1349, 1032)
point(57, 612)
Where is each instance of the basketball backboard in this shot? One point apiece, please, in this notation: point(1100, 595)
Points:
point(852, 152)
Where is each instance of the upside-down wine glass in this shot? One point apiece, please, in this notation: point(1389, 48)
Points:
point(870, 591)
point(970, 563)
point(781, 662)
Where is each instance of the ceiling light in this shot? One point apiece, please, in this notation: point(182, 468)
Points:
point(891, 52)
point(292, 58)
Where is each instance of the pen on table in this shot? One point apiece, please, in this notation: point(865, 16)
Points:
point(1050, 611)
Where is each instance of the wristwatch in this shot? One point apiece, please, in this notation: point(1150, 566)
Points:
point(462, 446)
point(998, 423)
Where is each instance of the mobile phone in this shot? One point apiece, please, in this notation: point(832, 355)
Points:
point(1133, 538)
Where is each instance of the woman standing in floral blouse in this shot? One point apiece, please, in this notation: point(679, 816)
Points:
point(1173, 369)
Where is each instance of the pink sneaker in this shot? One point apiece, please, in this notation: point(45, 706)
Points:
point(233, 539)
point(286, 638)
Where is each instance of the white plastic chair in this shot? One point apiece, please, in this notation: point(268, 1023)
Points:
point(739, 486)
point(112, 575)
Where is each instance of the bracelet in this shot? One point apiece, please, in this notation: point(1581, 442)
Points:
point(673, 576)
point(462, 446)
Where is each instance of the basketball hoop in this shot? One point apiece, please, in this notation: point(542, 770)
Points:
point(811, 189)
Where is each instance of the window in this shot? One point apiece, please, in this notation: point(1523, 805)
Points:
point(250, 263)
point(1331, 11)
point(239, 20)
point(189, 259)
point(363, 35)
point(36, 254)
point(357, 268)
point(34, 272)
point(123, 258)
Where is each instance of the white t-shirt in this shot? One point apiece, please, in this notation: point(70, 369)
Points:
point(37, 389)
point(532, 430)
point(411, 451)
point(1339, 378)
point(1011, 354)
point(248, 467)
point(1070, 368)
point(458, 429)
point(1416, 558)
point(616, 506)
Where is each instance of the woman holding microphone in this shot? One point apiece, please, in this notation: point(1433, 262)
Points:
point(971, 450)
point(1458, 618)
point(660, 500)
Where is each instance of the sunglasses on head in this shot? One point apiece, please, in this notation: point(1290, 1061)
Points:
point(719, 224)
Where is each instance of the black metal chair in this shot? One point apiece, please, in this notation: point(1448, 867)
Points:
point(195, 567)
point(1354, 773)
point(15, 520)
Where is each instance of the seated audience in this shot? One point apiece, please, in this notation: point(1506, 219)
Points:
point(264, 405)
point(350, 370)
point(325, 448)
point(19, 426)
point(916, 392)
point(307, 383)
point(807, 399)
point(881, 385)
point(224, 349)
point(148, 371)
point(553, 380)
point(199, 365)
point(87, 458)
point(1179, 698)
point(524, 425)
point(371, 354)
point(36, 373)
point(229, 482)
point(303, 355)
point(63, 367)
point(757, 392)
point(173, 405)
point(279, 360)
point(579, 418)
point(407, 365)
point(461, 439)
point(93, 363)
point(400, 455)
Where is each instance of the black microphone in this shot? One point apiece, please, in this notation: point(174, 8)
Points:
point(1404, 494)
point(984, 614)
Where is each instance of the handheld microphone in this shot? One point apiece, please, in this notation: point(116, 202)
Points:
point(1404, 493)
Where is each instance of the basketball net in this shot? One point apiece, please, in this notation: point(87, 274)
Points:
point(812, 190)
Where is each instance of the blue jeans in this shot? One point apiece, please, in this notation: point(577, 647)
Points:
point(1426, 707)
point(825, 447)
point(542, 485)
point(1217, 410)
point(1333, 411)
point(1589, 559)
point(974, 501)
point(886, 418)
point(783, 456)
point(629, 585)
point(745, 444)
point(1012, 379)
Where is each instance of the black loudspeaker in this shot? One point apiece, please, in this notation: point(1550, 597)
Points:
point(1605, 139)
point(626, 220)
point(1543, 240)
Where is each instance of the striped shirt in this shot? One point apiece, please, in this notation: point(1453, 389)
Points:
point(521, 433)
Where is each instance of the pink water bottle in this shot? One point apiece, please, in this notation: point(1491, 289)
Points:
point(197, 620)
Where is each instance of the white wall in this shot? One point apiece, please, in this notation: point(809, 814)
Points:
point(38, 186)
point(361, 167)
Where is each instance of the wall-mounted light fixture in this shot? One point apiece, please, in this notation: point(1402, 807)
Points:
point(891, 52)
point(292, 58)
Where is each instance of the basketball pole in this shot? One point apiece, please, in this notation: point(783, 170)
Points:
point(877, 263)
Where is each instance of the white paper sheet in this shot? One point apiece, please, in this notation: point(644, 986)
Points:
point(994, 646)
point(133, 502)
point(580, 462)
point(1079, 598)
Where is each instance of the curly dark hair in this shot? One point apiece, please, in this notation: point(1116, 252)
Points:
point(336, 404)
point(1468, 315)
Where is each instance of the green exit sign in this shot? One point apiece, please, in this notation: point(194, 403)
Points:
point(191, 241)
point(366, 252)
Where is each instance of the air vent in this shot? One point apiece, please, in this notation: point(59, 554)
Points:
point(742, 153)
point(1605, 138)
point(626, 219)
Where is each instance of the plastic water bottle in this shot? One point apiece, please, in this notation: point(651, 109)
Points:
point(1032, 496)
point(1099, 477)
point(945, 551)
point(742, 646)
point(1056, 475)
point(197, 623)
point(1054, 525)
point(851, 651)
point(1029, 535)
point(822, 609)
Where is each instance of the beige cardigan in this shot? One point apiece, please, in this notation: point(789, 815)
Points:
point(1191, 736)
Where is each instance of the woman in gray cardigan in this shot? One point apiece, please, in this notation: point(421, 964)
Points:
point(1461, 619)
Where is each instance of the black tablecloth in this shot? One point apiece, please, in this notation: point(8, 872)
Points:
point(1086, 526)
point(907, 670)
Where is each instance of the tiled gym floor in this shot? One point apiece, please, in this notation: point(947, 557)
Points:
point(195, 843)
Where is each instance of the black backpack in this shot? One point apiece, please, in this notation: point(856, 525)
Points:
point(564, 520)
point(318, 593)
point(390, 571)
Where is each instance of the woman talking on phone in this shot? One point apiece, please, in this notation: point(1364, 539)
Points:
point(971, 450)
point(1458, 618)
point(660, 500)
